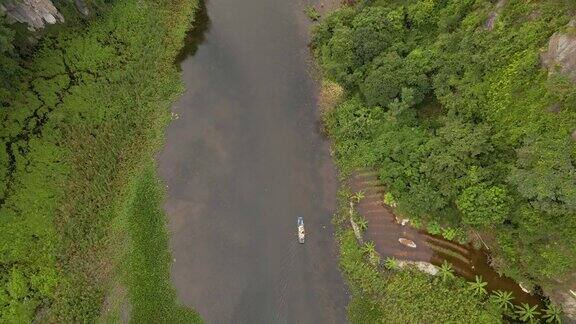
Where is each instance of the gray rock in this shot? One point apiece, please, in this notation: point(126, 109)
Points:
point(426, 267)
point(560, 57)
point(573, 135)
point(82, 7)
point(35, 13)
point(555, 108)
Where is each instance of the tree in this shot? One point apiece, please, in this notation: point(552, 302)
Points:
point(545, 174)
point(552, 314)
point(502, 299)
point(362, 223)
point(457, 146)
point(368, 248)
point(374, 31)
point(526, 312)
point(389, 199)
point(358, 196)
point(482, 205)
point(420, 13)
point(391, 263)
point(383, 81)
point(446, 272)
point(9, 59)
point(478, 287)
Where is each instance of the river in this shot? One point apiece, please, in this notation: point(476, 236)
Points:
point(242, 161)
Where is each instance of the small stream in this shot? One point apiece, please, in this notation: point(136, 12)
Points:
point(384, 230)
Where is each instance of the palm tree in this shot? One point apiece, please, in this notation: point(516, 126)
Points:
point(391, 263)
point(478, 286)
point(526, 312)
point(373, 256)
point(362, 223)
point(502, 299)
point(358, 196)
point(553, 314)
point(446, 272)
point(368, 247)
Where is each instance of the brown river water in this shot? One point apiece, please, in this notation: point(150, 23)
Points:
point(242, 161)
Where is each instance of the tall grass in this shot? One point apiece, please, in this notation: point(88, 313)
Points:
point(87, 119)
point(147, 264)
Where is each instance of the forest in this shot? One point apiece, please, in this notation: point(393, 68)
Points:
point(83, 109)
point(451, 103)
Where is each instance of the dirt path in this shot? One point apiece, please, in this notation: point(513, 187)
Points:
point(242, 161)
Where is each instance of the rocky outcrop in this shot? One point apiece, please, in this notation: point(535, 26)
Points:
point(82, 7)
point(560, 56)
point(426, 267)
point(35, 13)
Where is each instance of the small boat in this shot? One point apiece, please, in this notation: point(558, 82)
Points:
point(407, 242)
point(301, 232)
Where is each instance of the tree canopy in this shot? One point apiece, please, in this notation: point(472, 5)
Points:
point(449, 103)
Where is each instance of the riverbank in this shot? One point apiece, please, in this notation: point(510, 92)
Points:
point(79, 136)
point(391, 287)
point(450, 104)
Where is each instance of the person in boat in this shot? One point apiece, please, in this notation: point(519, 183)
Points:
point(301, 231)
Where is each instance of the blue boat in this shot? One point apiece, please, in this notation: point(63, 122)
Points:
point(301, 232)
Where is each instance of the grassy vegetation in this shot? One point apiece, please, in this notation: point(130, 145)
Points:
point(148, 263)
point(312, 13)
point(82, 116)
point(456, 118)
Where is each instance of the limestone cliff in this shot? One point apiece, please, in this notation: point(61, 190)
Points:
point(560, 56)
point(37, 13)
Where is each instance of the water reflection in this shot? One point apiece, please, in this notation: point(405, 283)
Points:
point(195, 35)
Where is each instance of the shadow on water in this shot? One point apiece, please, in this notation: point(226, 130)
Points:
point(195, 35)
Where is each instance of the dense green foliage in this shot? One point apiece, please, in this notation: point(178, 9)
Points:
point(456, 118)
point(81, 116)
point(148, 264)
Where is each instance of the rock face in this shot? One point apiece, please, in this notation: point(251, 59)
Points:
point(82, 7)
point(560, 57)
point(35, 13)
